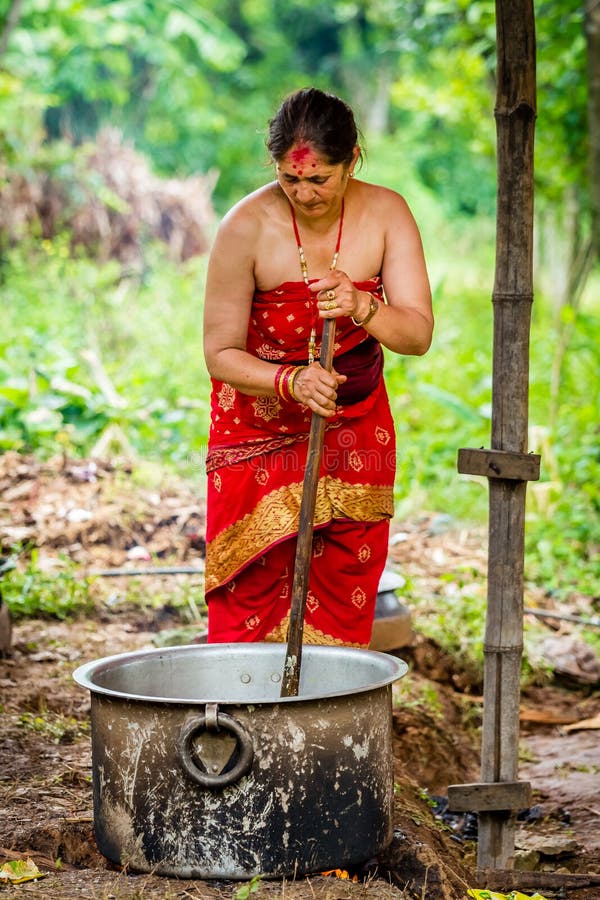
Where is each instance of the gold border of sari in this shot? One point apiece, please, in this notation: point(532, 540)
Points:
point(275, 518)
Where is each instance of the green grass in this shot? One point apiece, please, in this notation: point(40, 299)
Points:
point(31, 592)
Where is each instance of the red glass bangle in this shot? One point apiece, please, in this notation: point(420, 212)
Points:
point(282, 377)
point(277, 382)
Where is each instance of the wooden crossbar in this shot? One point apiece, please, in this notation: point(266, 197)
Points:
point(499, 464)
point(491, 796)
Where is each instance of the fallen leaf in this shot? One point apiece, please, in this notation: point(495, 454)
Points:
point(18, 870)
point(495, 895)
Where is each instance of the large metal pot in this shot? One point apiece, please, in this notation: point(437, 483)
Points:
point(201, 770)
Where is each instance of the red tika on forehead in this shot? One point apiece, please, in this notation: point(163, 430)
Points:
point(302, 156)
point(299, 154)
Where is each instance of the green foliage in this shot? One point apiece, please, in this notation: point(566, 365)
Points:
point(32, 592)
point(193, 85)
point(563, 539)
point(455, 619)
point(21, 125)
point(84, 348)
point(423, 696)
point(563, 525)
point(56, 728)
point(458, 625)
point(248, 888)
point(561, 131)
point(184, 597)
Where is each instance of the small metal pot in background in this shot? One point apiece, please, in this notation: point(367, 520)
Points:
point(201, 769)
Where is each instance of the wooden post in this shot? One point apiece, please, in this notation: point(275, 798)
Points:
point(500, 794)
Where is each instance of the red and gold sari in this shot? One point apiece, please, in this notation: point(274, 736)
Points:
point(255, 465)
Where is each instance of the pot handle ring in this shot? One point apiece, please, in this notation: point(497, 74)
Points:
point(214, 720)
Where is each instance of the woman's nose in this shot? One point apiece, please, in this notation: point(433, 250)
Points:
point(304, 190)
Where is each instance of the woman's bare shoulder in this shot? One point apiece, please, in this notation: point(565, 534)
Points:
point(247, 215)
point(379, 196)
point(387, 211)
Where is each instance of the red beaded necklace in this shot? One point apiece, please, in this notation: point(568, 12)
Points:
point(312, 341)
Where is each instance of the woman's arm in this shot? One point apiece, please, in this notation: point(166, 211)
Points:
point(405, 323)
point(227, 304)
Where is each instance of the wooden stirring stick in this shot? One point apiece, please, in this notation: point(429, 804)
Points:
point(291, 672)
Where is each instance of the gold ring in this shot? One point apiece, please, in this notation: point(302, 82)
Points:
point(330, 295)
point(331, 305)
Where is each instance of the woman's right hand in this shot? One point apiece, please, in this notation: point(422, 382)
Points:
point(316, 388)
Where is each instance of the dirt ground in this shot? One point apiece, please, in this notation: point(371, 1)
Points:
point(105, 516)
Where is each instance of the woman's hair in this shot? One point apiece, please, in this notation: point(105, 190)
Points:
point(314, 117)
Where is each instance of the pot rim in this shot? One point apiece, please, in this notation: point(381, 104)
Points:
point(84, 675)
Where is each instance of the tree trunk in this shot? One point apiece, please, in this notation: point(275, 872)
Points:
point(378, 113)
point(592, 31)
point(10, 23)
point(585, 253)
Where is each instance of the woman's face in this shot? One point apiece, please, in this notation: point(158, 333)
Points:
point(312, 184)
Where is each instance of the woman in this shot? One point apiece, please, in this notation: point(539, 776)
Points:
point(315, 243)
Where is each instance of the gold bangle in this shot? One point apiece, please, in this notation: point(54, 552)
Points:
point(290, 384)
point(373, 307)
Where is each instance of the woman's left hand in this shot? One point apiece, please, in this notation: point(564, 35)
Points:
point(337, 296)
